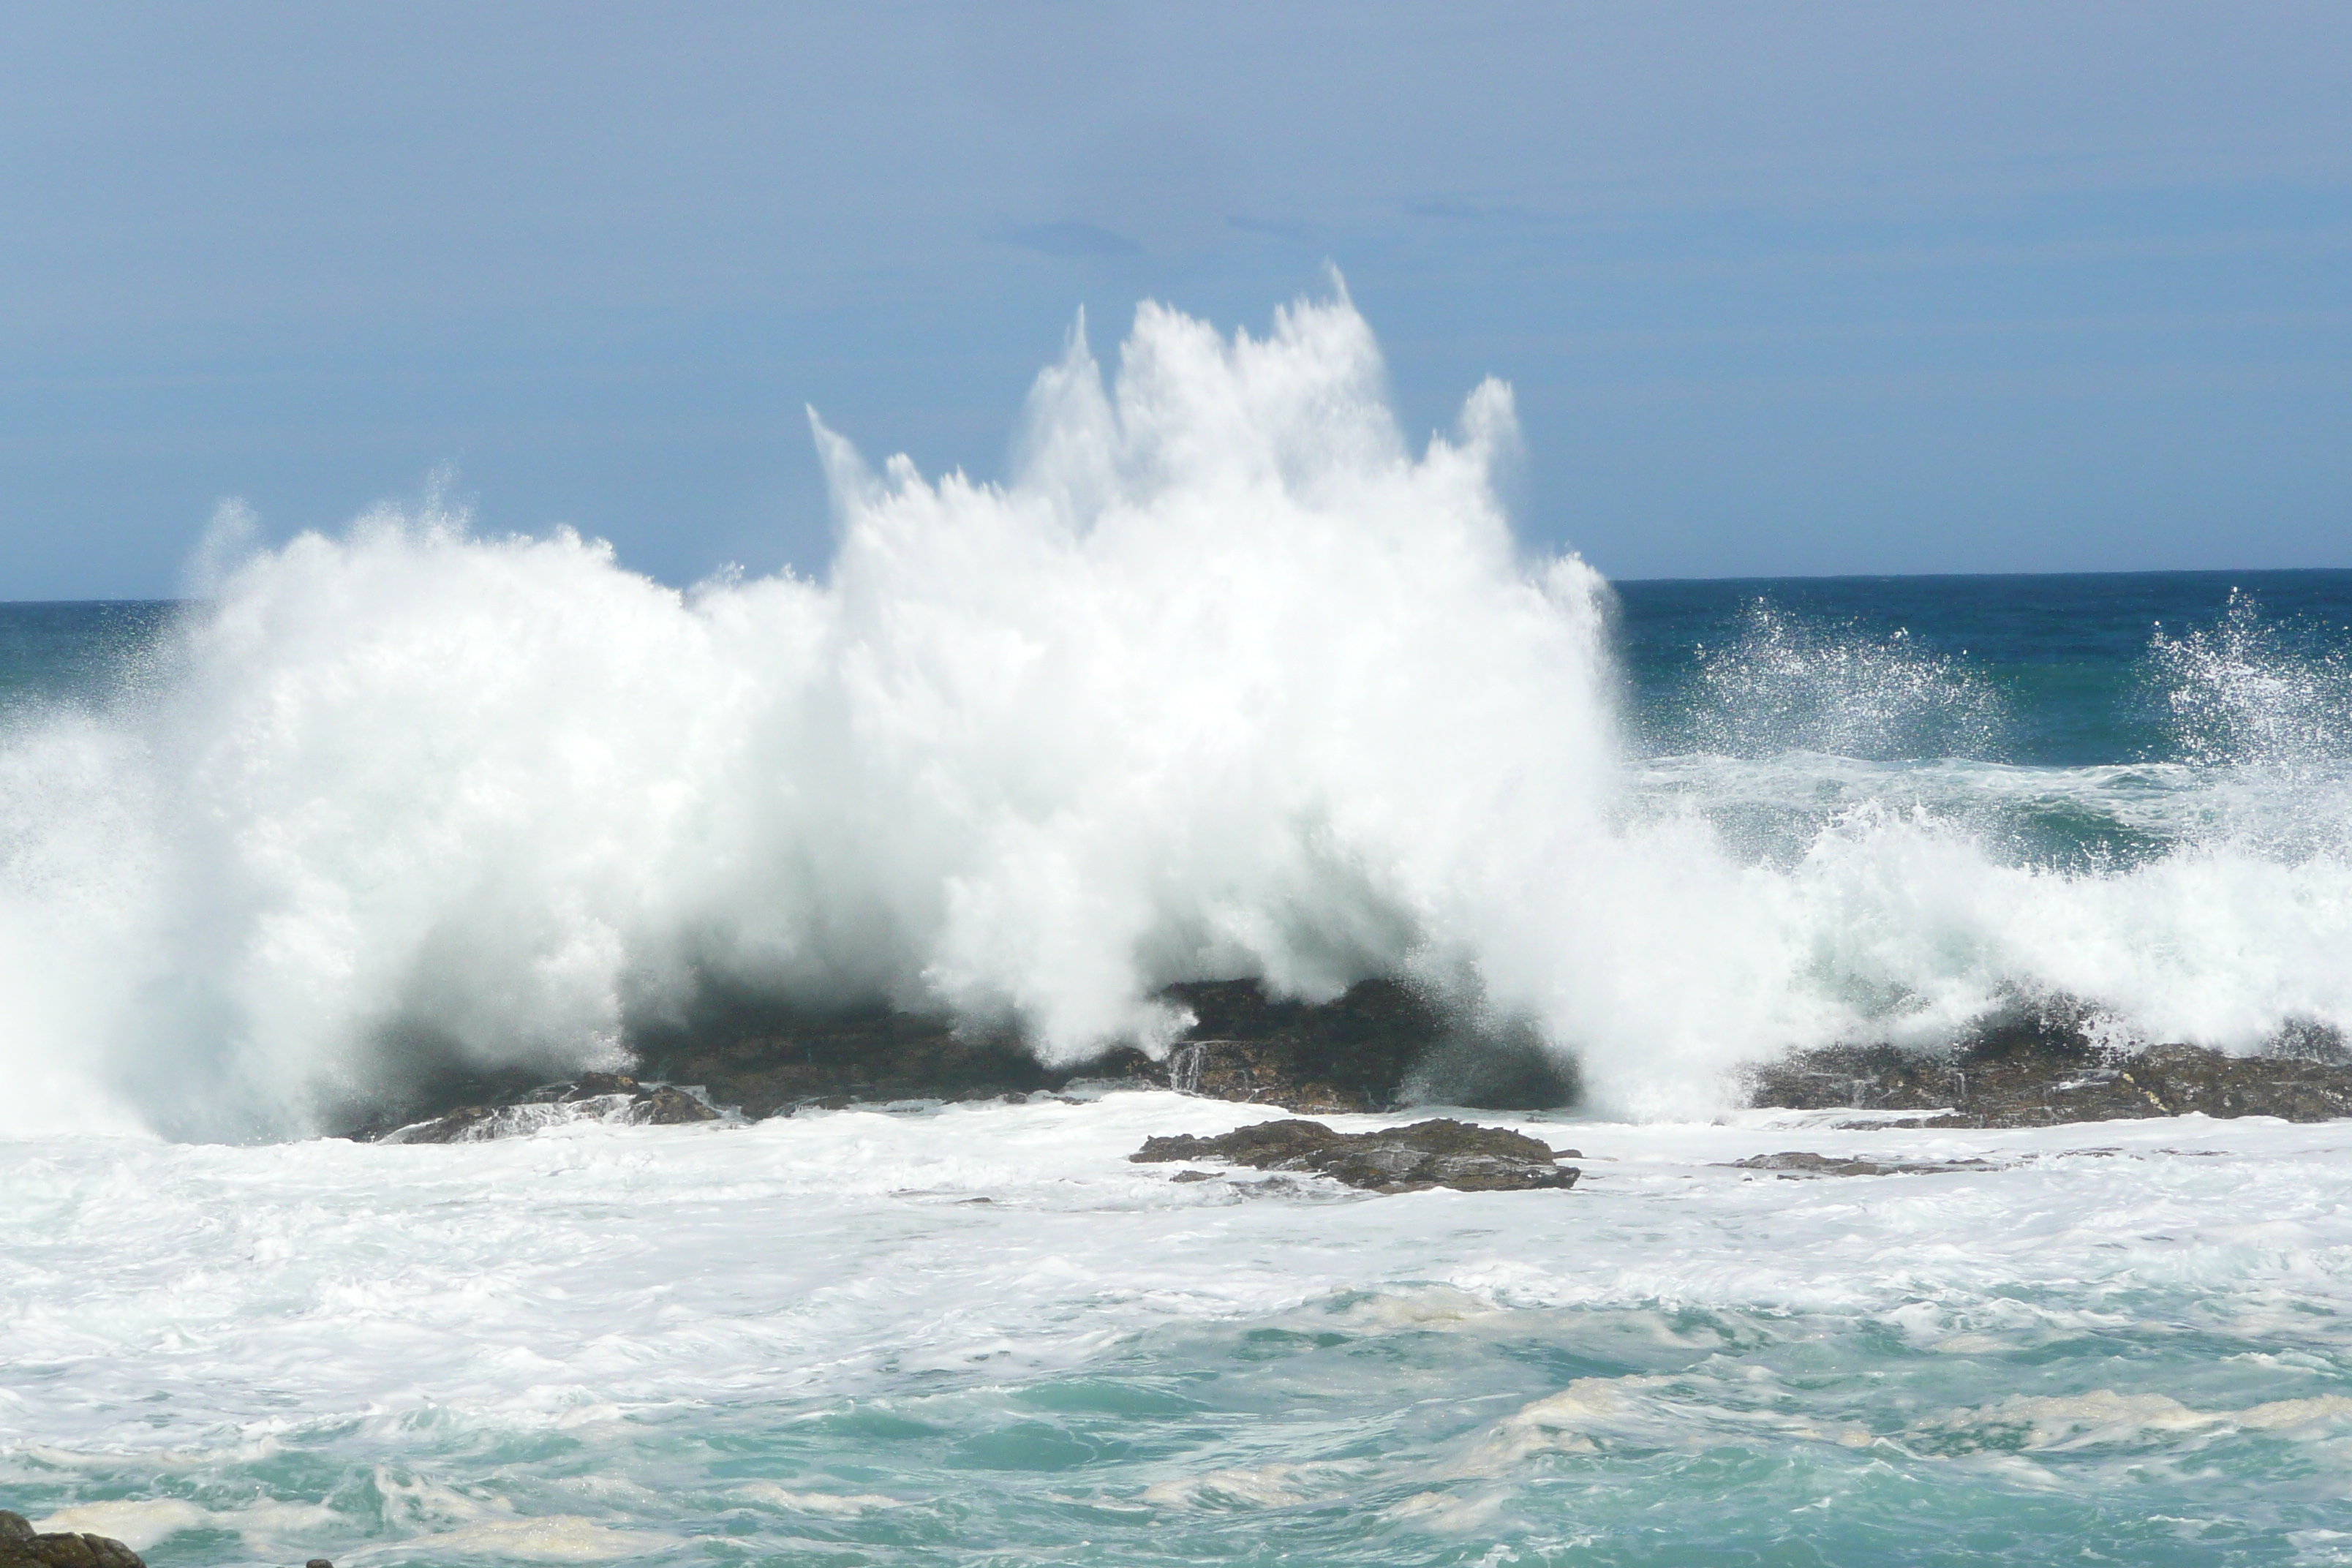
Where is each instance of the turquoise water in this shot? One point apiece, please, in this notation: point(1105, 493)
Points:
point(812, 1342)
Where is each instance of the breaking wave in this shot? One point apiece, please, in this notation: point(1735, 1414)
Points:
point(1227, 679)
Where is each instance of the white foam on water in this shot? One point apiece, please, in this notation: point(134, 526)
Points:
point(543, 1537)
point(496, 1320)
point(829, 1503)
point(2105, 1416)
point(567, 1276)
point(1228, 678)
point(138, 1523)
point(1257, 1485)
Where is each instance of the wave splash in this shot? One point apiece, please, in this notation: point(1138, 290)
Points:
point(1786, 684)
point(1227, 679)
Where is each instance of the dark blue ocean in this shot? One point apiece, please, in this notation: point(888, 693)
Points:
point(2067, 670)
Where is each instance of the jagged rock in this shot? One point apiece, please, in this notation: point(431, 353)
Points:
point(1434, 1153)
point(1793, 1164)
point(21, 1546)
point(2028, 1071)
point(597, 1096)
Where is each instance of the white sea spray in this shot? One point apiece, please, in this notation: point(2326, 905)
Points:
point(1227, 679)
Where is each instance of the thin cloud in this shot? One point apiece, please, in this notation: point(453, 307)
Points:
point(1073, 239)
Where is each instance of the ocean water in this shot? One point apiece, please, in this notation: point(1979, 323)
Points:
point(1229, 677)
point(977, 1335)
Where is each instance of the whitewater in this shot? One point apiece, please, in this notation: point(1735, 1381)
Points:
point(1228, 678)
point(976, 1334)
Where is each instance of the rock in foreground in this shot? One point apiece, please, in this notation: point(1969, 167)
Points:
point(21, 1546)
point(1435, 1153)
point(608, 1096)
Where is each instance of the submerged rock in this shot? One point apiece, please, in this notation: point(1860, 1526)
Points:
point(608, 1096)
point(2032, 1070)
point(1434, 1153)
point(22, 1546)
point(1793, 1164)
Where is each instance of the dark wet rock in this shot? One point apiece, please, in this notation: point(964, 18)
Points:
point(1255, 1072)
point(2030, 1070)
point(21, 1546)
point(669, 1106)
point(1434, 1153)
point(1379, 1045)
point(1350, 1054)
point(769, 1061)
point(607, 1097)
point(1793, 1164)
point(758, 1061)
point(1502, 1068)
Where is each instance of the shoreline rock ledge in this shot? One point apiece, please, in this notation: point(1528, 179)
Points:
point(1377, 1045)
point(1434, 1153)
point(22, 1546)
point(2036, 1073)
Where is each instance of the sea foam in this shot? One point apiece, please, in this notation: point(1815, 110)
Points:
point(1228, 678)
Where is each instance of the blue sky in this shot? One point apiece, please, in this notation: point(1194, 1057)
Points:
point(1782, 288)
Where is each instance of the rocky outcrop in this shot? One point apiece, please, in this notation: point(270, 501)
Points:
point(1379, 1045)
point(607, 1097)
point(21, 1546)
point(2034, 1071)
point(1353, 1053)
point(1434, 1153)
